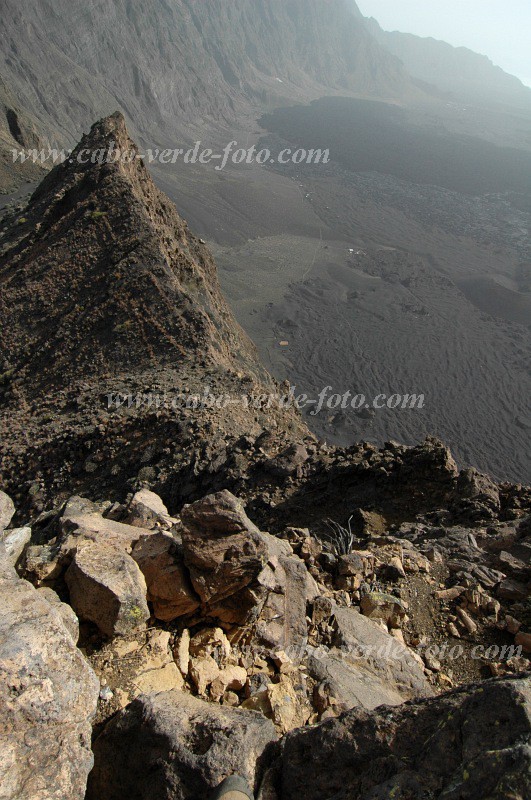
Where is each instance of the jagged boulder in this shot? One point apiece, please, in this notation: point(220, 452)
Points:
point(107, 588)
point(244, 575)
point(367, 667)
point(81, 524)
point(223, 549)
point(172, 746)
point(476, 497)
point(147, 510)
point(168, 582)
point(48, 696)
point(469, 744)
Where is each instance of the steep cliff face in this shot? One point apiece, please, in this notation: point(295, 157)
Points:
point(17, 130)
point(456, 70)
point(184, 63)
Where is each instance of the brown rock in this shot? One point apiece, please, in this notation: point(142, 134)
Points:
point(156, 671)
point(231, 678)
point(523, 639)
point(169, 587)
point(288, 710)
point(467, 621)
point(210, 641)
point(223, 550)
point(203, 671)
point(450, 594)
point(181, 652)
point(378, 605)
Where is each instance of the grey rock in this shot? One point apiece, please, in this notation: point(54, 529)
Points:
point(7, 510)
point(469, 744)
point(367, 667)
point(14, 541)
point(172, 746)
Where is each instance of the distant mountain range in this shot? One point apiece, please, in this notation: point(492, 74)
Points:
point(193, 66)
point(456, 70)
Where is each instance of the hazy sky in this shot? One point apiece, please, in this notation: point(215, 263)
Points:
point(500, 29)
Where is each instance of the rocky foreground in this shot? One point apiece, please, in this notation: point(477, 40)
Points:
point(189, 594)
point(195, 646)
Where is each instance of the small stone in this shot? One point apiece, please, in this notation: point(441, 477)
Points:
point(513, 625)
point(208, 641)
point(159, 680)
point(467, 621)
point(231, 699)
point(395, 569)
point(445, 680)
point(452, 630)
point(231, 678)
point(146, 510)
point(283, 662)
point(450, 594)
point(181, 652)
point(431, 662)
point(202, 672)
point(386, 607)
point(106, 694)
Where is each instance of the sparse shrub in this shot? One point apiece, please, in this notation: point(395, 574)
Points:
point(337, 539)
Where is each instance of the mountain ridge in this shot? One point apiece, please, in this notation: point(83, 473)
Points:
point(458, 71)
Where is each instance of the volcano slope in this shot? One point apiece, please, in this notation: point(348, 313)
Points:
point(111, 317)
point(179, 602)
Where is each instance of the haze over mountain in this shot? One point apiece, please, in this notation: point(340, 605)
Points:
point(425, 186)
point(456, 70)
